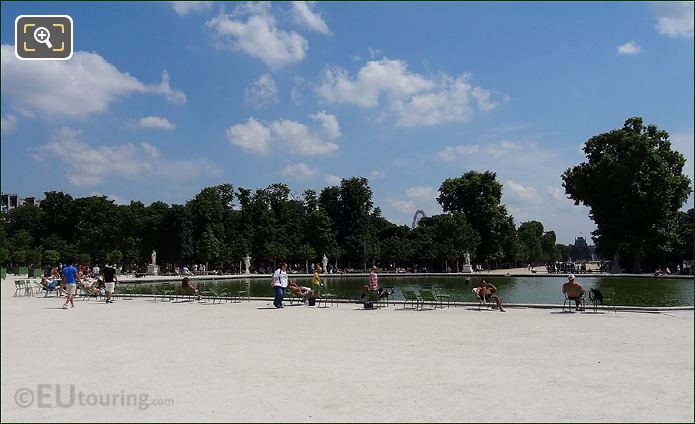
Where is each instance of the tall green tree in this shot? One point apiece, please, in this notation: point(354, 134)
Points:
point(530, 237)
point(478, 196)
point(634, 185)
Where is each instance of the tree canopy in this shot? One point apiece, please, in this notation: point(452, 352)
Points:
point(634, 185)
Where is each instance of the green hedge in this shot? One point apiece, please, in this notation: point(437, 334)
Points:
point(3, 273)
point(21, 270)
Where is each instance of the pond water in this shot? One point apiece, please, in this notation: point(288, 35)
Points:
point(517, 289)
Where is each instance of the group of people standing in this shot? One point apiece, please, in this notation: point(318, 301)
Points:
point(281, 282)
point(66, 278)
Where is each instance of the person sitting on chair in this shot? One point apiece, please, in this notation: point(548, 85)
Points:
point(303, 293)
point(187, 285)
point(488, 291)
point(573, 287)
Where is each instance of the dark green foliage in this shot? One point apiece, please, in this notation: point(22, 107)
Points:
point(634, 185)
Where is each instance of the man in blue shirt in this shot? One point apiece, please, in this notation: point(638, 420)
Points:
point(70, 276)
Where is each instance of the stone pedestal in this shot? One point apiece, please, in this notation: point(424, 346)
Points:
point(152, 269)
point(466, 268)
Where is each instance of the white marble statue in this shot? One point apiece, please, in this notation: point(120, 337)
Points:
point(247, 263)
point(467, 258)
point(325, 262)
point(154, 257)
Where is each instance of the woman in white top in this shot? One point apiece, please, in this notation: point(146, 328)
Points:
point(280, 284)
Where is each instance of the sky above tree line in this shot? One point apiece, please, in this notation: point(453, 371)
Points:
point(162, 99)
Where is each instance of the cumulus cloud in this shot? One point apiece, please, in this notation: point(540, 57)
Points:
point(450, 153)
point(412, 99)
point(184, 7)
point(331, 179)
point(252, 137)
point(674, 19)
point(299, 171)
point(329, 124)
point(522, 192)
point(87, 84)
point(304, 15)
point(386, 77)
point(292, 136)
point(403, 206)
point(156, 122)
point(116, 162)
point(252, 29)
point(9, 123)
point(263, 92)
point(629, 48)
point(422, 194)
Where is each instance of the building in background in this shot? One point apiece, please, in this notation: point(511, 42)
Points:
point(11, 201)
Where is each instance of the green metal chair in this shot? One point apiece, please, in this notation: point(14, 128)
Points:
point(428, 296)
point(412, 297)
point(608, 300)
point(327, 296)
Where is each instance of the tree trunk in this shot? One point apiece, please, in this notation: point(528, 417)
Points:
point(636, 261)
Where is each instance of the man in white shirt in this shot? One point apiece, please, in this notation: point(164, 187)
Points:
point(280, 284)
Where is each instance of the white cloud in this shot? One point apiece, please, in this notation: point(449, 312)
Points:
point(87, 84)
point(292, 136)
point(329, 123)
point(151, 150)
point(403, 206)
point(556, 193)
point(263, 92)
point(127, 161)
point(674, 19)
point(9, 123)
point(299, 171)
point(450, 153)
point(422, 194)
point(296, 90)
point(300, 139)
point(156, 122)
point(388, 77)
point(304, 15)
point(165, 89)
point(376, 174)
point(184, 7)
point(413, 99)
point(258, 35)
point(331, 179)
point(629, 48)
point(252, 137)
point(527, 193)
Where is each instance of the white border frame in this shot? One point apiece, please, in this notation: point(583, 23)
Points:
point(72, 37)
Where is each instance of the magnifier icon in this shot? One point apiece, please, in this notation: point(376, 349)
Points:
point(43, 36)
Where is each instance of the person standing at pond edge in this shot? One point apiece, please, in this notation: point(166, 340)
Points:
point(279, 283)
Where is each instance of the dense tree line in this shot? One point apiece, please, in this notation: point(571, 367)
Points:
point(632, 182)
point(220, 226)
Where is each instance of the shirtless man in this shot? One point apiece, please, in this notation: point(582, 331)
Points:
point(488, 290)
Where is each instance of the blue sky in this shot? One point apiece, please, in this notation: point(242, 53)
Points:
point(162, 99)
